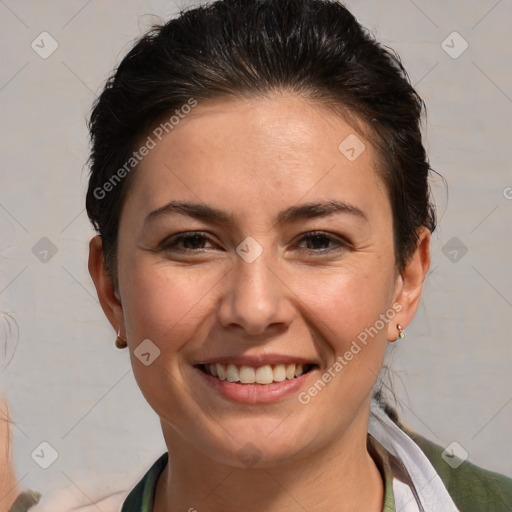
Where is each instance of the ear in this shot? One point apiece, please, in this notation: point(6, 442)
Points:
point(409, 284)
point(108, 296)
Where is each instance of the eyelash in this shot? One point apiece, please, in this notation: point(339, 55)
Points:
point(171, 243)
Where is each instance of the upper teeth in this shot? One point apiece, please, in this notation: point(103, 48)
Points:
point(262, 375)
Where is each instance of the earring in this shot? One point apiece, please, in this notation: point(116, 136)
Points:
point(401, 332)
point(120, 341)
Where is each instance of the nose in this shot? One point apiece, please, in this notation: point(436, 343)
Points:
point(256, 300)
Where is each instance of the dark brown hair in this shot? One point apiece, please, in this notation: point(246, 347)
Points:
point(238, 48)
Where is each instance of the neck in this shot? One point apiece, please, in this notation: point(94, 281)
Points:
point(341, 477)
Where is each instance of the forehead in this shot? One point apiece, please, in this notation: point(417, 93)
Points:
point(248, 152)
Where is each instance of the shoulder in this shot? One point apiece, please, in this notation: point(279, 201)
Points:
point(471, 487)
point(70, 500)
point(140, 498)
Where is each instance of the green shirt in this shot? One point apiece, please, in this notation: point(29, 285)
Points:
point(472, 488)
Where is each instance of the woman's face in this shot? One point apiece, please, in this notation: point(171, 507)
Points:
point(288, 259)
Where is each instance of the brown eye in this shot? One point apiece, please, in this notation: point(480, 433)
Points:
point(191, 241)
point(318, 242)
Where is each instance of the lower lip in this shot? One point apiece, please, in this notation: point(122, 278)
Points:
point(256, 393)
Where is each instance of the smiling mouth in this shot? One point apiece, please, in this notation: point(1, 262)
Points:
point(267, 374)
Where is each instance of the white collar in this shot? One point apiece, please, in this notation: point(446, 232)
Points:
point(430, 489)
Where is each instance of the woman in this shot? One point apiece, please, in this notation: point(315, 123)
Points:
point(260, 190)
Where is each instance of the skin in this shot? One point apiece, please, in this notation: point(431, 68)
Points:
point(9, 489)
point(253, 158)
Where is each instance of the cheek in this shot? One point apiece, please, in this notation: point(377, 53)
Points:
point(163, 303)
point(346, 314)
point(345, 302)
point(171, 308)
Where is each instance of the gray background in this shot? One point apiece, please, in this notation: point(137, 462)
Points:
point(68, 385)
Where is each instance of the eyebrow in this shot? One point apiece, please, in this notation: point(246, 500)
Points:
point(289, 215)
